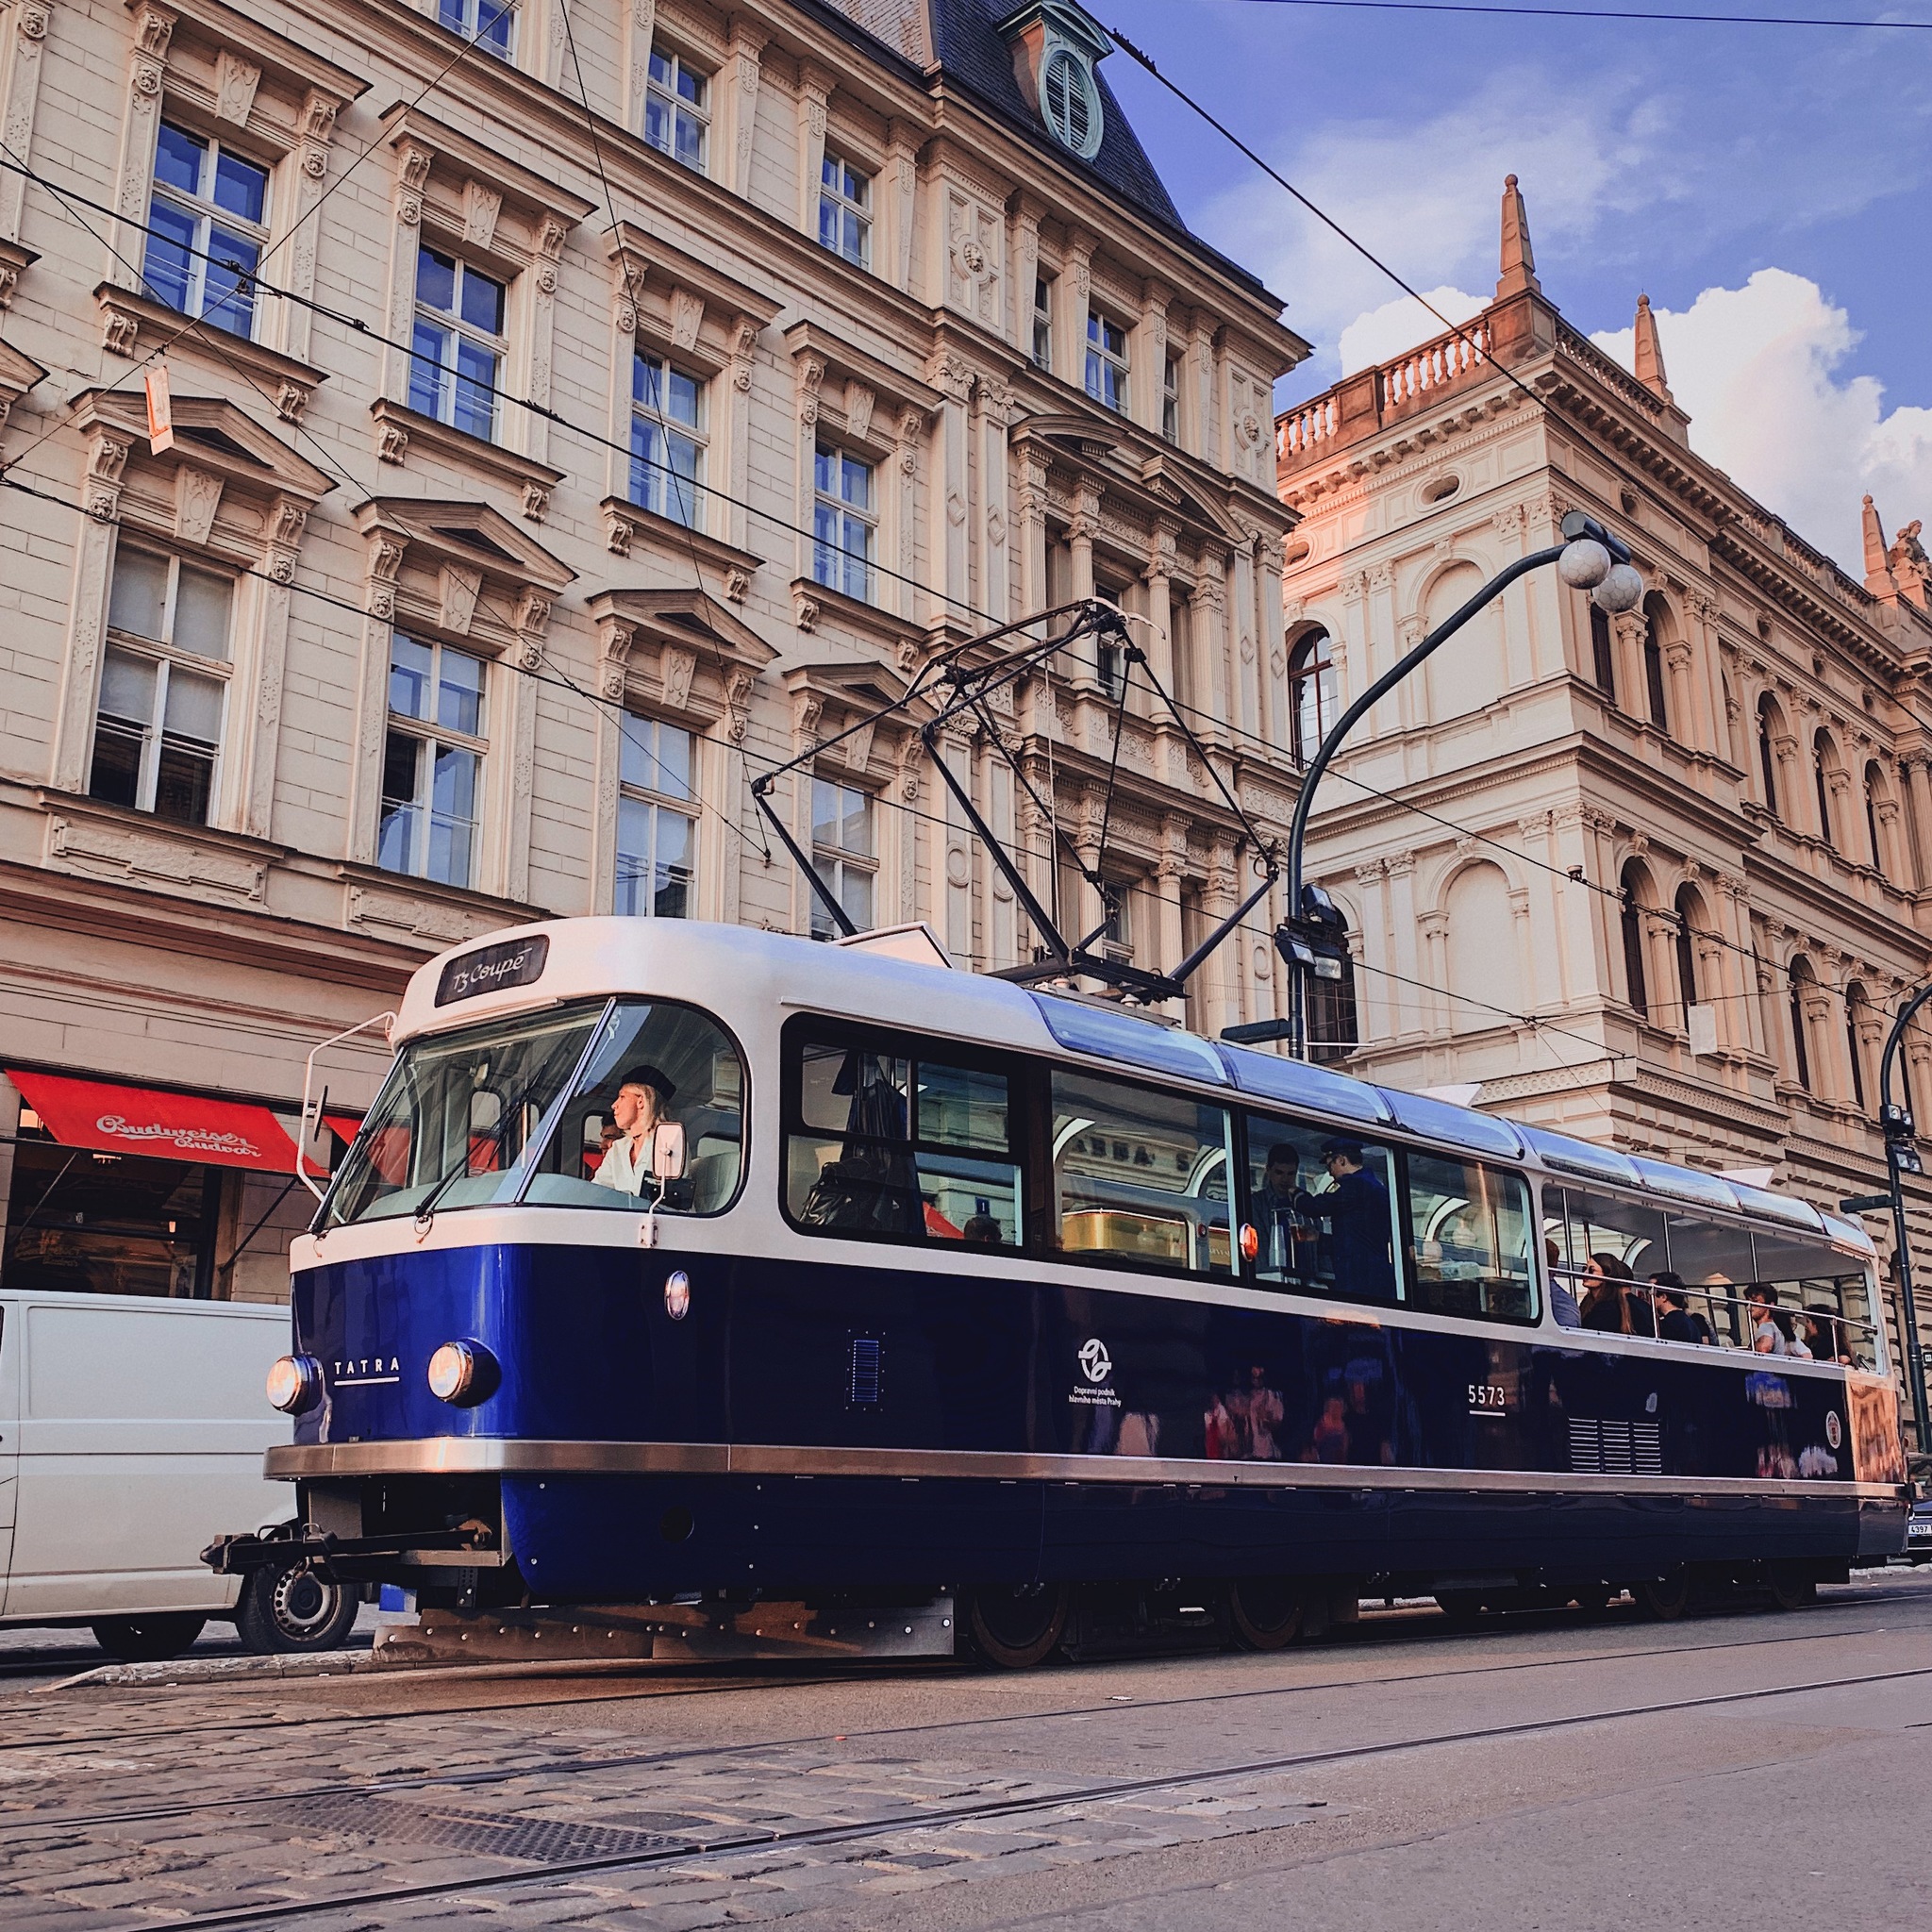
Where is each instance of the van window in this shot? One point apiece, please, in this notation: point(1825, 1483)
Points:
point(885, 1140)
point(1141, 1176)
point(1469, 1238)
point(1324, 1221)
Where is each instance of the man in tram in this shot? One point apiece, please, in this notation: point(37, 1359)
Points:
point(647, 1157)
point(1290, 1235)
point(1355, 1209)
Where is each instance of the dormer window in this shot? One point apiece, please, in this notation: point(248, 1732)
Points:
point(1055, 46)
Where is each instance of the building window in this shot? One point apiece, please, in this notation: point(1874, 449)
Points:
point(656, 820)
point(1802, 982)
point(460, 346)
point(1688, 911)
point(1823, 760)
point(1631, 922)
point(1107, 362)
point(158, 728)
point(1857, 1009)
point(1070, 102)
point(432, 762)
point(1767, 751)
point(843, 854)
point(1603, 656)
point(667, 440)
point(1874, 796)
point(489, 25)
point(844, 209)
point(1311, 695)
point(678, 111)
point(1043, 323)
point(1170, 400)
point(1109, 665)
point(1653, 666)
point(844, 523)
point(208, 219)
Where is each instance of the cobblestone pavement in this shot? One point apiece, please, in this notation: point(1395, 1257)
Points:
point(937, 1796)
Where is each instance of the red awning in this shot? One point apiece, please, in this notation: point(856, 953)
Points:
point(142, 1119)
point(345, 1125)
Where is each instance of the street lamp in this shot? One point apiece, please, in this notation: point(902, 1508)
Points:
point(1311, 937)
point(1901, 1159)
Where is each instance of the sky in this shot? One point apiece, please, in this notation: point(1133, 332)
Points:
point(1766, 187)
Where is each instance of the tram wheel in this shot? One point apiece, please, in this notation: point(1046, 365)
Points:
point(1266, 1611)
point(1663, 1599)
point(1464, 1607)
point(1017, 1626)
point(1790, 1588)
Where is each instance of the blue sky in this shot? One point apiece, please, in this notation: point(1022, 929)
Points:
point(1766, 187)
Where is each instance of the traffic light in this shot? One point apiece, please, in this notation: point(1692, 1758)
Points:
point(1317, 942)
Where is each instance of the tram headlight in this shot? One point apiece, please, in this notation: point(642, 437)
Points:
point(295, 1383)
point(463, 1374)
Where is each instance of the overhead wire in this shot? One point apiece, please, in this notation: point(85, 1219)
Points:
point(1622, 14)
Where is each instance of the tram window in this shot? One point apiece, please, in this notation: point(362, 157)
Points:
point(1714, 1261)
point(453, 1124)
point(1300, 1202)
point(1580, 1222)
point(884, 1140)
point(1818, 1295)
point(1469, 1238)
point(656, 1117)
point(1141, 1176)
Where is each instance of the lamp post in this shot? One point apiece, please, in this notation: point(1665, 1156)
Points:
point(1588, 558)
point(1901, 1159)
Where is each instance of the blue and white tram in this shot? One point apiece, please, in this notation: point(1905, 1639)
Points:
point(675, 1259)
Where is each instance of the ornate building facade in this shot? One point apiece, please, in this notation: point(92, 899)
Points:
point(573, 410)
point(1657, 879)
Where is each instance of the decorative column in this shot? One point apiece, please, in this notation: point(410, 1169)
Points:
point(955, 887)
point(281, 541)
point(1208, 634)
point(912, 429)
point(1270, 641)
point(551, 232)
point(1032, 560)
point(1548, 976)
point(814, 91)
point(639, 24)
point(1170, 872)
point(1074, 294)
point(1080, 529)
point(898, 196)
point(1150, 355)
point(1438, 1010)
point(1398, 868)
point(1200, 424)
point(1917, 768)
point(948, 544)
point(1022, 249)
point(385, 563)
point(1217, 900)
point(994, 406)
point(808, 375)
point(93, 563)
point(526, 651)
point(1159, 637)
point(412, 177)
point(739, 86)
point(737, 396)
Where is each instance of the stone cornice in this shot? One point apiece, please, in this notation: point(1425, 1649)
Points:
point(288, 382)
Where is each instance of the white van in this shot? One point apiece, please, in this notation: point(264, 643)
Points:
point(131, 1436)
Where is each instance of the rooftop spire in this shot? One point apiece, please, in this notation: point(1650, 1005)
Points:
point(1519, 258)
point(1650, 353)
point(1877, 563)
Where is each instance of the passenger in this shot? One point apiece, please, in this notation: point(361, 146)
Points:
point(1605, 1306)
point(982, 1231)
point(1329, 1442)
point(1265, 1409)
point(1767, 1338)
point(607, 1133)
point(1356, 1210)
point(1793, 1343)
point(1674, 1319)
point(1562, 1296)
point(648, 1154)
point(1289, 1237)
point(1830, 1343)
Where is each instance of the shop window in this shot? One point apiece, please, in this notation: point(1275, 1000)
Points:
point(208, 225)
point(1469, 1238)
point(1141, 1177)
point(457, 361)
point(432, 765)
point(488, 24)
point(656, 820)
point(165, 687)
point(844, 523)
point(882, 1140)
point(1107, 362)
point(667, 441)
point(678, 110)
point(844, 209)
point(1322, 1207)
point(844, 854)
point(1043, 323)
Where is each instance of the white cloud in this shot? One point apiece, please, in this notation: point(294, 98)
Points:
point(1758, 368)
point(1383, 333)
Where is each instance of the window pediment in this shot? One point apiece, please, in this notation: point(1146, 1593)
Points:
point(831, 698)
point(683, 304)
point(705, 657)
point(19, 373)
point(870, 401)
point(461, 570)
point(212, 435)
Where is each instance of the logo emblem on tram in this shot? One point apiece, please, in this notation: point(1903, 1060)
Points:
point(1834, 1429)
point(1096, 1363)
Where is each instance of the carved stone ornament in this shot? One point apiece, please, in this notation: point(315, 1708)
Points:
point(395, 444)
point(198, 496)
point(481, 207)
point(35, 18)
point(811, 374)
point(614, 654)
point(292, 398)
point(617, 533)
point(119, 332)
point(385, 562)
point(686, 318)
point(676, 667)
point(859, 402)
point(535, 500)
point(805, 611)
point(461, 586)
point(737, 586)
point(738, 705)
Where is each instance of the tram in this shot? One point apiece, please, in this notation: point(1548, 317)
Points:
point(680, 1260)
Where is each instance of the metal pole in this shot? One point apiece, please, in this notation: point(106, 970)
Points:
point(1915, 1364)
point(1297, 831)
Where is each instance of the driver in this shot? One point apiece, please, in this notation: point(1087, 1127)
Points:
point(648, 1141)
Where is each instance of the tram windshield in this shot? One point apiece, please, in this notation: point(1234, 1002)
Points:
point(608, 1104)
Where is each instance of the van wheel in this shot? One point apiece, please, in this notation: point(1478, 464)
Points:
point(1266, 1611)
point(1019, 1625)
point(147, 1639)
point(292, 1608)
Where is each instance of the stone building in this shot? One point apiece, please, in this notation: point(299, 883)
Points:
point(574, 411)
point(1656, 879)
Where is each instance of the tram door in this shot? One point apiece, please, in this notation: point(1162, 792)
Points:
point(10, 1439)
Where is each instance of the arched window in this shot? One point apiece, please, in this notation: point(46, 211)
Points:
point(1767, 750)
point(1655, 615)
point(1690, 918)
point(1875, 797)
point(1603, 656)
point(1633, 882)
point(1311, 695)
point(1823, 762)
point(1858, 1011)
point(1802, 982)
point(1334, 1029)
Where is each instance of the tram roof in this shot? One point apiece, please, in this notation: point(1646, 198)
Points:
point(730, 969)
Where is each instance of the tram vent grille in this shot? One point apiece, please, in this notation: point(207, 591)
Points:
point(1615, 1448)
point(865, 1381)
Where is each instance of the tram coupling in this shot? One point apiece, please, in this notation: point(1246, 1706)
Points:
point(342, 1560)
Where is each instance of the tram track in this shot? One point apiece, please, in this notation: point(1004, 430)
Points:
point(19, 1827)
point(937, 1817)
